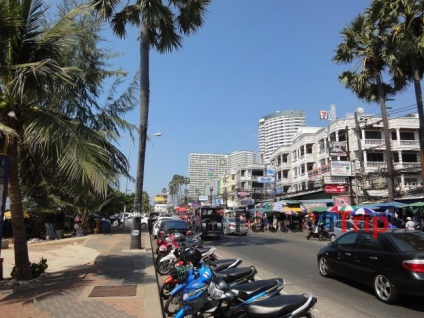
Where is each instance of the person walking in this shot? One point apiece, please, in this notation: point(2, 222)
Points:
point(410, 225)
point(275, 222)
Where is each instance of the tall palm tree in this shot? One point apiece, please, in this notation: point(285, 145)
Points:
point(405, 23)
point(37, 134)
point(364, 45)
point(162, 25)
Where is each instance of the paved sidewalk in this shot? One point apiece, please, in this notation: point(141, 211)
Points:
point(79, 268)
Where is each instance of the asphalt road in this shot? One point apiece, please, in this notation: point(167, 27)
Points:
point(291, 256)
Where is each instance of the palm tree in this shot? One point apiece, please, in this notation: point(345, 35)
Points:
point(404, 20)
point(37, 134)
point(364, 43)
point(162, 25)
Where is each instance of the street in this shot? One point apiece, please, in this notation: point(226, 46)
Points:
point(291, 256)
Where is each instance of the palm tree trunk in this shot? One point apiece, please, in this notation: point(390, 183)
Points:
point(388, 151)
point(22, 264)
point(419, 98)
point(144, 119)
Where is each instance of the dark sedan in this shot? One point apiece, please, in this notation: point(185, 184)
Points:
point(174, 226)
point(391, 262)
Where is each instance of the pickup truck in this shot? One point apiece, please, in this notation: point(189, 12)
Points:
point(209, 221)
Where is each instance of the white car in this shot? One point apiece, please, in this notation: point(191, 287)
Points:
point(156, 225)
point(341, 227)
point(129, 221)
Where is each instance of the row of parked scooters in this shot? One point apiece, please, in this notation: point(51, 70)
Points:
point(200, 285)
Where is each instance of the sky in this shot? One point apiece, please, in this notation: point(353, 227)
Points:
point(250, 59)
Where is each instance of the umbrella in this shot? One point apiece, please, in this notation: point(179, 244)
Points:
point(416, 205)
point(363, 211)
point(319, 209)
point(341, 208)
point(391, 204)
point(260, 209)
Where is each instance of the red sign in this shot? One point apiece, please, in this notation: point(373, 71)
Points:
point(335, 188)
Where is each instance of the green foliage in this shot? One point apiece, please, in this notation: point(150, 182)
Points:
point(36, 268)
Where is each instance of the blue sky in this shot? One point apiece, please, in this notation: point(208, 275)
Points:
point(251, 58)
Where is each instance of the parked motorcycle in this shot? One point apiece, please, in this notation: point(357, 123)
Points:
point(177, 274)
point(320, 232)
point(168, 242)
point(167, 262)
point(195, 297)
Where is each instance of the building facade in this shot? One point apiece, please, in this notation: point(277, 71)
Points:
point(305, 166)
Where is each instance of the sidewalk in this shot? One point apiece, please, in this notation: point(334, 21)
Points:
point(90, 276)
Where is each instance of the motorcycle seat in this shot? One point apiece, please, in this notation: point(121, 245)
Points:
point(204, 249)
point(246, 290)
point(277, 306)
point(221, 264)
point(232, 274)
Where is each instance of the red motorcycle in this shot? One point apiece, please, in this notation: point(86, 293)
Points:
point(167, 242)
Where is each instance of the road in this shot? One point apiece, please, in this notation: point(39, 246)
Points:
point(291, 256)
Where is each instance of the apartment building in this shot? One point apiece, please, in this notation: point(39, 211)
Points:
point(304, 166)
point(277, 130)
point(206, 169)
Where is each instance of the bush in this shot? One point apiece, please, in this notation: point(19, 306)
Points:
point(36, 268)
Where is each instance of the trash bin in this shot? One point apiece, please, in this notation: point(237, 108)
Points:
point(105, 226)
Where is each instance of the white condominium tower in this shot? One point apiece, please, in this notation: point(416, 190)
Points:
point(204, 169)
point(278, 129)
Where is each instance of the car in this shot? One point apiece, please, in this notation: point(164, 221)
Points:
point(233, 225)
point(175, 226)
point(342, 226)
point(130, 219)
point(157, 224)
point(391, 261)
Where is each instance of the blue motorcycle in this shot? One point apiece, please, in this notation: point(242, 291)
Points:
point(191, 295)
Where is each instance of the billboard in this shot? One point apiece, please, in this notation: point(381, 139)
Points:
point(340, 168)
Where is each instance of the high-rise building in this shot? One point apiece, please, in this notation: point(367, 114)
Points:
point(278, 129)
point(205, 169)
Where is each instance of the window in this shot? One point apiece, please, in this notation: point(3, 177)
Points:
point(369, 134)
point(348, 240)
point(368, 242)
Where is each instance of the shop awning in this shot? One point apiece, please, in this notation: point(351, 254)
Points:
point(295, 209)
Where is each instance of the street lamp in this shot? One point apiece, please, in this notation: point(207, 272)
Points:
point(211, 190)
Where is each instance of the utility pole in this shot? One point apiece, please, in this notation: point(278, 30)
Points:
point(360, 154)
point(348, 159)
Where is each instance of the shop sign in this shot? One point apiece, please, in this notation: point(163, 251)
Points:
point(334, 188)
point(334, 180)
point(340, 168)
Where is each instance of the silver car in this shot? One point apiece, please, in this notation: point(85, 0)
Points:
point(341, 227)
point(234, 226)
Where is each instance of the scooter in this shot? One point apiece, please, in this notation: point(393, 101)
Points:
point(167, 262)
point(177, 274)
point(195, 297)
point(168, 242)
point(320, 232)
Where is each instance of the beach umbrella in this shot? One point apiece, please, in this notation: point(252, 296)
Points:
point(341, 208)
point(363, 211)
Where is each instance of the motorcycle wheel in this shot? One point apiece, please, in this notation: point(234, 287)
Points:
point(320, 237)
point(164, 267)
point(158, 259)
point(173, 304)
point(165, 290)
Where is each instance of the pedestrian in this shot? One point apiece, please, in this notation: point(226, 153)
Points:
point(120, 221)
point(410, 225)
point(274, 222)
point(265, 221)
